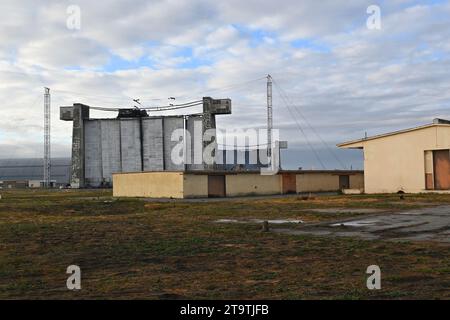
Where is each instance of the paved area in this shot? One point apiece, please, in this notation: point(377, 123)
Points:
point(429, 224)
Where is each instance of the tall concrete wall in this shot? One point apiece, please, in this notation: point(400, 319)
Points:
point(153, 144)
point(111, 151)
point(113, 145)
point(130, 145)
point(133, 144)
point(169, 125)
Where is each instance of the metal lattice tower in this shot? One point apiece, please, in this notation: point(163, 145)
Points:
point(269, 118)
point(47, 127)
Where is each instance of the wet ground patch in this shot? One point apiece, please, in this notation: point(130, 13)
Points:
point(426, 224)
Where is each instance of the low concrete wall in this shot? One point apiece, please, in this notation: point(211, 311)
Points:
point(357, 181)
point(317, 182)
point(252, 184)
point(195, 186)
point(188, 185)
point(148, 184)
point(326, 182)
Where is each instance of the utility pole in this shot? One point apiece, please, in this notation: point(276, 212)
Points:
point(269, 119)
point(47, 126)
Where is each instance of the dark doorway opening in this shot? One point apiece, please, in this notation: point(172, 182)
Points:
point(216, 186)
point(344, 182)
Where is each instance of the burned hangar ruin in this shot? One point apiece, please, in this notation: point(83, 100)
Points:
point(134, 141)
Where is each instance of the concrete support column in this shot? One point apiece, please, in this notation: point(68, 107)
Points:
point(209, 122)
point(80, 113)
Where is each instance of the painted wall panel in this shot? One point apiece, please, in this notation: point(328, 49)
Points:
point(252, 184)
point(149, 184)
point(317, 182)
point(195, 186)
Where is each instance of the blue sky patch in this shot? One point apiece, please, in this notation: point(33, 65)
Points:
point(116, 63)
point(311, 44)
point(255, 36)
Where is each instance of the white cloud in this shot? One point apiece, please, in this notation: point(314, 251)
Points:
point(63, 52)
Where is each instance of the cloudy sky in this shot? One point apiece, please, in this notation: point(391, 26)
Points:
point(335, 78)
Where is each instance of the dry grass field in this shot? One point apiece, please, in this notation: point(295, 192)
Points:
point(137, 249)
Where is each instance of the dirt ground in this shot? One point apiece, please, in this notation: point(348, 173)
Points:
point(141, 249)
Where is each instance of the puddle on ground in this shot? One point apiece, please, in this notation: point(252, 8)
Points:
point(346, 210)
point(360, 223)
point(228, 221)
point(275, 221)
point(427, 224)
point(412, 213)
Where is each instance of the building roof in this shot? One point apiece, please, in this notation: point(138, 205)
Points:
point(358, 143)
point(32, 169)
point(222, 172)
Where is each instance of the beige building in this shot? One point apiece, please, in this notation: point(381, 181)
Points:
point(413, 161)
point(204, 184)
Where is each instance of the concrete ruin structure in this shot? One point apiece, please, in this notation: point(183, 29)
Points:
point(133, 142)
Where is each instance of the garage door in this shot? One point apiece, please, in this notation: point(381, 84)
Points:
point(289, 183)
point(441, 162)
point(216, 186)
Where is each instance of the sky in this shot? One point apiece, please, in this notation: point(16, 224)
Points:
point(335, 77)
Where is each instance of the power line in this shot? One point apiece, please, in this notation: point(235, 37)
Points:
point(168, 108)
point(161, 108)
point(301, 130)
point(297, 108)
point(196, 94)
point(235, 85)
point(245, 146)
point(241, 86)
point(187, 104)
